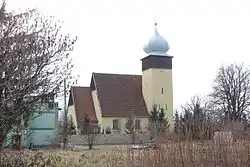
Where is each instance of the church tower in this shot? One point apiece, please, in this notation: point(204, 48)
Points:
point(157, 86)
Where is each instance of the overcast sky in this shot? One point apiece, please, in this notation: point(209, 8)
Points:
point(202, 34)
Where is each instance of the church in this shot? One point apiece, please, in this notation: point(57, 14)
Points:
point(112, 99)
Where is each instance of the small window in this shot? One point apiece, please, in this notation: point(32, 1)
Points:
point(51, 105)
point(137, 124)
point(115, 124)
point(162, 91)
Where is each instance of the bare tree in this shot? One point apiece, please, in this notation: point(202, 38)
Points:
point(89, 131)
point(130, 127)
point(66, 88)
point(71, 126)
point(231, 92)
point(34, 60)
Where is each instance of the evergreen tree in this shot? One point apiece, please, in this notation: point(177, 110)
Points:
point(158, 119)
point(3, 12)
point(154, 114)
point(195, 124)
point(162, 120)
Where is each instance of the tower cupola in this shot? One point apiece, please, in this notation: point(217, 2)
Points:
point(157, 86)
point(157, 45)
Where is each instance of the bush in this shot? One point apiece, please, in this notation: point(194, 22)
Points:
point(108, 130)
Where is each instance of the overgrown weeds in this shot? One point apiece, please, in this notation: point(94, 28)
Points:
point(195, 154)
point(172, 154)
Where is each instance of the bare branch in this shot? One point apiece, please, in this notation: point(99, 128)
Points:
point(231, 94)
point(34, 60)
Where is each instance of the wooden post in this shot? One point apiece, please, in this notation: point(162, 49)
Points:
point(65, 133)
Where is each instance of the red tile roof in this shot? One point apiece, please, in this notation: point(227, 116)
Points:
point(120, 95)
point(83, 103)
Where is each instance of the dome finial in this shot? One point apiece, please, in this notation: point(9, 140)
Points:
point(155, 22)
point(156, 31)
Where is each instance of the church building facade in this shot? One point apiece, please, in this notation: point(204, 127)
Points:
point(112, 99)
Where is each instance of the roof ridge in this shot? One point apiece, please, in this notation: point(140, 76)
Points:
point(116, 74)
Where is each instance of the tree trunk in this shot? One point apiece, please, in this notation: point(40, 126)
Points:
point(1, 140)
point(90, 146)
point(2, 137)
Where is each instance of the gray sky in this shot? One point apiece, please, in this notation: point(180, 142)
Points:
point(202, 34)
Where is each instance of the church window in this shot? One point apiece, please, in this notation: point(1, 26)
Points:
point(162, 91)
point(137, 124)
point(115, 124)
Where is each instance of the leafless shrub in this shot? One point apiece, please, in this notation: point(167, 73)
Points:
point(193, 154)
point(89, 130)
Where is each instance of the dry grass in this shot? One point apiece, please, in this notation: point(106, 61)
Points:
point(195, 154)
point(181, 154)
point(61, 158)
